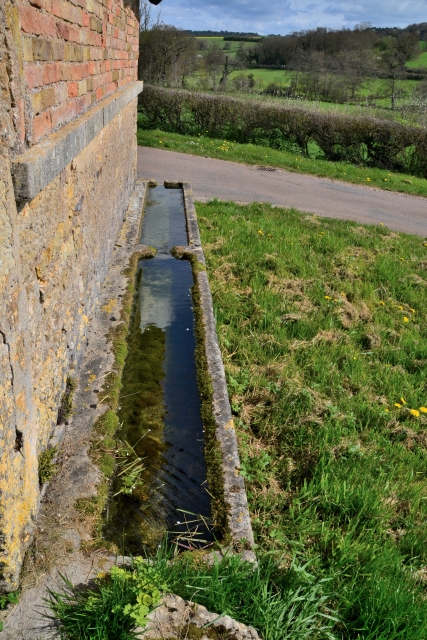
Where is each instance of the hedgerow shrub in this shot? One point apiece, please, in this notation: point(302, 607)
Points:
point(361, 140)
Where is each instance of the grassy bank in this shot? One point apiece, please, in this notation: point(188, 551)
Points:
point(322, 330)
point(291, 161)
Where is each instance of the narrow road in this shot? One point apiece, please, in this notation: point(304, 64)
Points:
point(225, 180)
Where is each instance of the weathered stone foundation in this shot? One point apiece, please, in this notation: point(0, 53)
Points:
point(68, 87)
point(55, 251)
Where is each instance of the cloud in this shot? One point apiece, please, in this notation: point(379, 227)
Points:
point(278, 16)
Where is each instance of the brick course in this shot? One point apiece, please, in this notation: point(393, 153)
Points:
point(72, 50)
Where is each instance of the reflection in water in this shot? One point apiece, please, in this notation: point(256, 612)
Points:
point(160, 403)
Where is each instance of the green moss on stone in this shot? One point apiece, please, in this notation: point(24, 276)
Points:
point(47, 466)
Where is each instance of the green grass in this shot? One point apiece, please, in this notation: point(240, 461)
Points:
point(259, 155)
point(322, 326)
point(418, 62)
point(118, 603)
point(282, 603)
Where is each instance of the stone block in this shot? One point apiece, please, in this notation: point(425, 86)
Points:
point(35, 169)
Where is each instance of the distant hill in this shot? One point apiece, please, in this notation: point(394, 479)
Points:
point(220, 34)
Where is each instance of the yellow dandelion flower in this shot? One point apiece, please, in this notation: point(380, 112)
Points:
point(425, 244)
point(261, 233)
point(400, 307)
point(405, 319)
point(387, 410)
point(396, 404)
point(160, 142)
point(414, 412)
point(382, 303)
point(327, 297)
point(381, 224)
point(354, 358)
point(385, 179)
point(402, 400)
point(423, 409)
point(402, 259)
point(335, 300)
point(411, 309)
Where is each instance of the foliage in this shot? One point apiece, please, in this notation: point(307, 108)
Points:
point(122, 600)
point(5, 600)
point(283, 602)
point(47, 467)
point(287, 603)
point(9, 598)
point(340, 137)
point(322, 331)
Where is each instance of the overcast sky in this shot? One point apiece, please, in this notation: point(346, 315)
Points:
point(285, 16)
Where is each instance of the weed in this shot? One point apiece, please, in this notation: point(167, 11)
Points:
point(122, 600)
point(47, 467)
point(9, 598)
point(5, 600)
point(282, 602)
point(129, 470)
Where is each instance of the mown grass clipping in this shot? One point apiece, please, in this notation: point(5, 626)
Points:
point(322, 326)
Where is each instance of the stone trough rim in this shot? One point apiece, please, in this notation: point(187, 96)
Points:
point(238, 517)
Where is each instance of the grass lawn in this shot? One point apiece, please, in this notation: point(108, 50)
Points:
point(322, 326)
point(258, 155)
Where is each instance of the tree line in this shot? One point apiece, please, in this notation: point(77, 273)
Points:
point(326, 64)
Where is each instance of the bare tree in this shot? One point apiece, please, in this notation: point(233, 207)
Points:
point(397, 52)
point(162, 50)
point(356, 66)
point(146, 20)
point(214, 61)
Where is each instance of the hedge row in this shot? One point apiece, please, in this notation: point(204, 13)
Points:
point(361, 140)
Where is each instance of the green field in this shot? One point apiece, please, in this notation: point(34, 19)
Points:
point(230, 47)
point(375, 86)
point(419, 61)
point(322, 331)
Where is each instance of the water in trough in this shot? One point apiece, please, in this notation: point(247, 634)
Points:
point(160, 401)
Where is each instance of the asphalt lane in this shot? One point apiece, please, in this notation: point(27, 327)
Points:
point(225, 180)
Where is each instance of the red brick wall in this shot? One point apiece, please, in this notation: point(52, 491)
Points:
point(75, 53)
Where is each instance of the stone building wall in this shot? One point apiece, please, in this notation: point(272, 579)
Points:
point(67, 168)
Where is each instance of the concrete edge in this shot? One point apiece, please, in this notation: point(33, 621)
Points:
point(36, 168)
point(234, 485)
